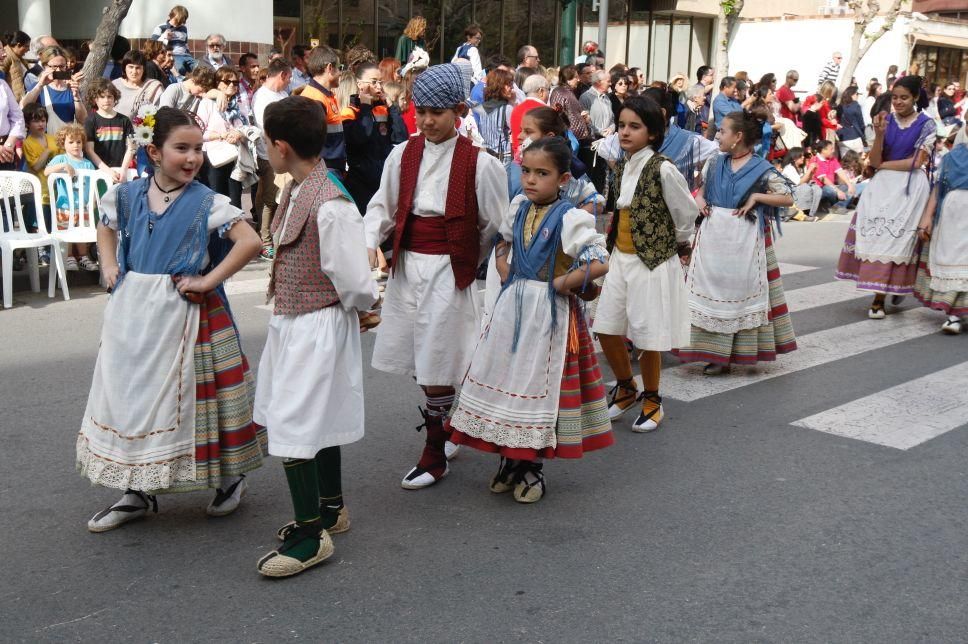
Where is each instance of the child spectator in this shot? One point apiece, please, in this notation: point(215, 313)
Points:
point(71, 139)
point(38, 148)
point(396, 96)
point(806, 193)
point(837, 186)
point(174, 33)
point(108, 132)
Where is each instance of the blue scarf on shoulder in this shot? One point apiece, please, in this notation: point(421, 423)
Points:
point(528, 259)
point(728, 189)
point(681, 147)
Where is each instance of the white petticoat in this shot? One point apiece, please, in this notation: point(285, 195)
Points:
point(429, 327)
point(649, 307)
point(948, 261)
point(309, 389)
point(138, 430)
point(727, 282)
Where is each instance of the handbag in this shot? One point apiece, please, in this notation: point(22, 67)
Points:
point(221, 153)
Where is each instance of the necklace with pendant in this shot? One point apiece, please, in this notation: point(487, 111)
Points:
point(167, 193)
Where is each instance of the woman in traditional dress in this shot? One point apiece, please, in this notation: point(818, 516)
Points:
point(170, 407)
point(739, 314)
point(533, 389)
point(644, 296)
point(942, 282)
point(879, 252)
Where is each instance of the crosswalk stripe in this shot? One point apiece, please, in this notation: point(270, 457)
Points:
point(240, 287)
point(903, 416)
point(687, 382)
point(810, 297)
point(790, 269)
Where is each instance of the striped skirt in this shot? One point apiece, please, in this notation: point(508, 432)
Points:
point(948, 302)
point(227, 442)
point(748, 346)
point(583, 424)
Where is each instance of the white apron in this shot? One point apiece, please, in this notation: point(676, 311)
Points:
point(948, 259)
point(728, 287)
point(511, 399)
point(138, 429)
point(887, 217)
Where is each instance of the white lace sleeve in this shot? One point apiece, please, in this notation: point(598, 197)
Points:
point(507, 224)
point(224, 215)
point(108, 207)
point(580, 240)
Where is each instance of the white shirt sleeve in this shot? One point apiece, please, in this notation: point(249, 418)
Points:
point(108, 207)
point(679, 200)
point(492, 199)
point(169, 97)
point(380, 217)
point(579, 239)
point(342, 254)
point(475, 55)
point(507, 224)
point(224, 215)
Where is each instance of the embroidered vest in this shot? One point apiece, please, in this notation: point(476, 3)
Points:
point(460, 210)
point(653, 230)
point(297, 281)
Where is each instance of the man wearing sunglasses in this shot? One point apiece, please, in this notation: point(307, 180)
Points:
point(214, 56)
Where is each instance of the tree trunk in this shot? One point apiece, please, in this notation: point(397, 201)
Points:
point(861, 41)
point(729, 11)
point(107, 31)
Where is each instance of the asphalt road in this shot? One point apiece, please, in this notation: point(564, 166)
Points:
point(747, 517)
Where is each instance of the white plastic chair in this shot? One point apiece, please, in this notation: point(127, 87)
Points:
point(16, 190)
point(83, 200)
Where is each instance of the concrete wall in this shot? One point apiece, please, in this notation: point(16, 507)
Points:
point(238, 20)
point(806, 45)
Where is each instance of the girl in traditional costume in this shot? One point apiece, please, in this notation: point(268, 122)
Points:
point(942, 282)
point(739, 314)
point(880, 252)
point(170, 407)
point(644, 296)
point(533, 389)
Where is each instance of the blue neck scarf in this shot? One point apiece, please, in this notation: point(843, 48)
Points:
point(528, 259)
point(728, 189)
point(953, 175)
point(173, 243)
point(681, 148)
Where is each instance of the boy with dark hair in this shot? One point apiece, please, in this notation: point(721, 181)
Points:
point(322, 289)
point(108, 133)
point(441, 199)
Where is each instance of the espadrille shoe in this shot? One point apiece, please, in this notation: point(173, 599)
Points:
point(227, 501)
point(623, 397)
point(282, 563)
point(531, 483)
point(419, 478)
point(451, 450)
point(648, 421)
point(951, 326)
point(504, 480)
point(133, 505)
point(342, 525)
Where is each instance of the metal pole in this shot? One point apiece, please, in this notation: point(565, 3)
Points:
point(567, 43)
point(602, 25)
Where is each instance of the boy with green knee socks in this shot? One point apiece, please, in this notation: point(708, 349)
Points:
point(309, 394)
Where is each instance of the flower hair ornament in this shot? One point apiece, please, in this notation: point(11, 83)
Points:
point(144, 125)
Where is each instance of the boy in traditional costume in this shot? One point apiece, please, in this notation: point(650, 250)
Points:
point(442, 199)
point(310, 390)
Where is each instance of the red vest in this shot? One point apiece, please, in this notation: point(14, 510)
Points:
point(298, 282)
point(460, 211)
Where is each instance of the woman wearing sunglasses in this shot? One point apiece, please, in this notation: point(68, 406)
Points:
point(224, 129)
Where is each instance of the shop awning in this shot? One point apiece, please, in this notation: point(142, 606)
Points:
point(940, 41)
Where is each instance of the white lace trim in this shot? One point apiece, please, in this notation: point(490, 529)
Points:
point(147, 478)
point(716, 325)
point(495, 432)
point(947, 284)
point(877, 257)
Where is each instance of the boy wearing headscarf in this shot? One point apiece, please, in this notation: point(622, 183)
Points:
point(442, 199)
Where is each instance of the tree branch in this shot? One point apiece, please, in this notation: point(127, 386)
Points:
point(107, 31)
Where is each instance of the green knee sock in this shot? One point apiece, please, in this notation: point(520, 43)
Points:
point(328, 463)
point(304, 490)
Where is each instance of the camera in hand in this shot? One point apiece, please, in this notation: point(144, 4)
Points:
point(64, 75)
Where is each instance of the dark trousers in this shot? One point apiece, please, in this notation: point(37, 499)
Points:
point(220, 180)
